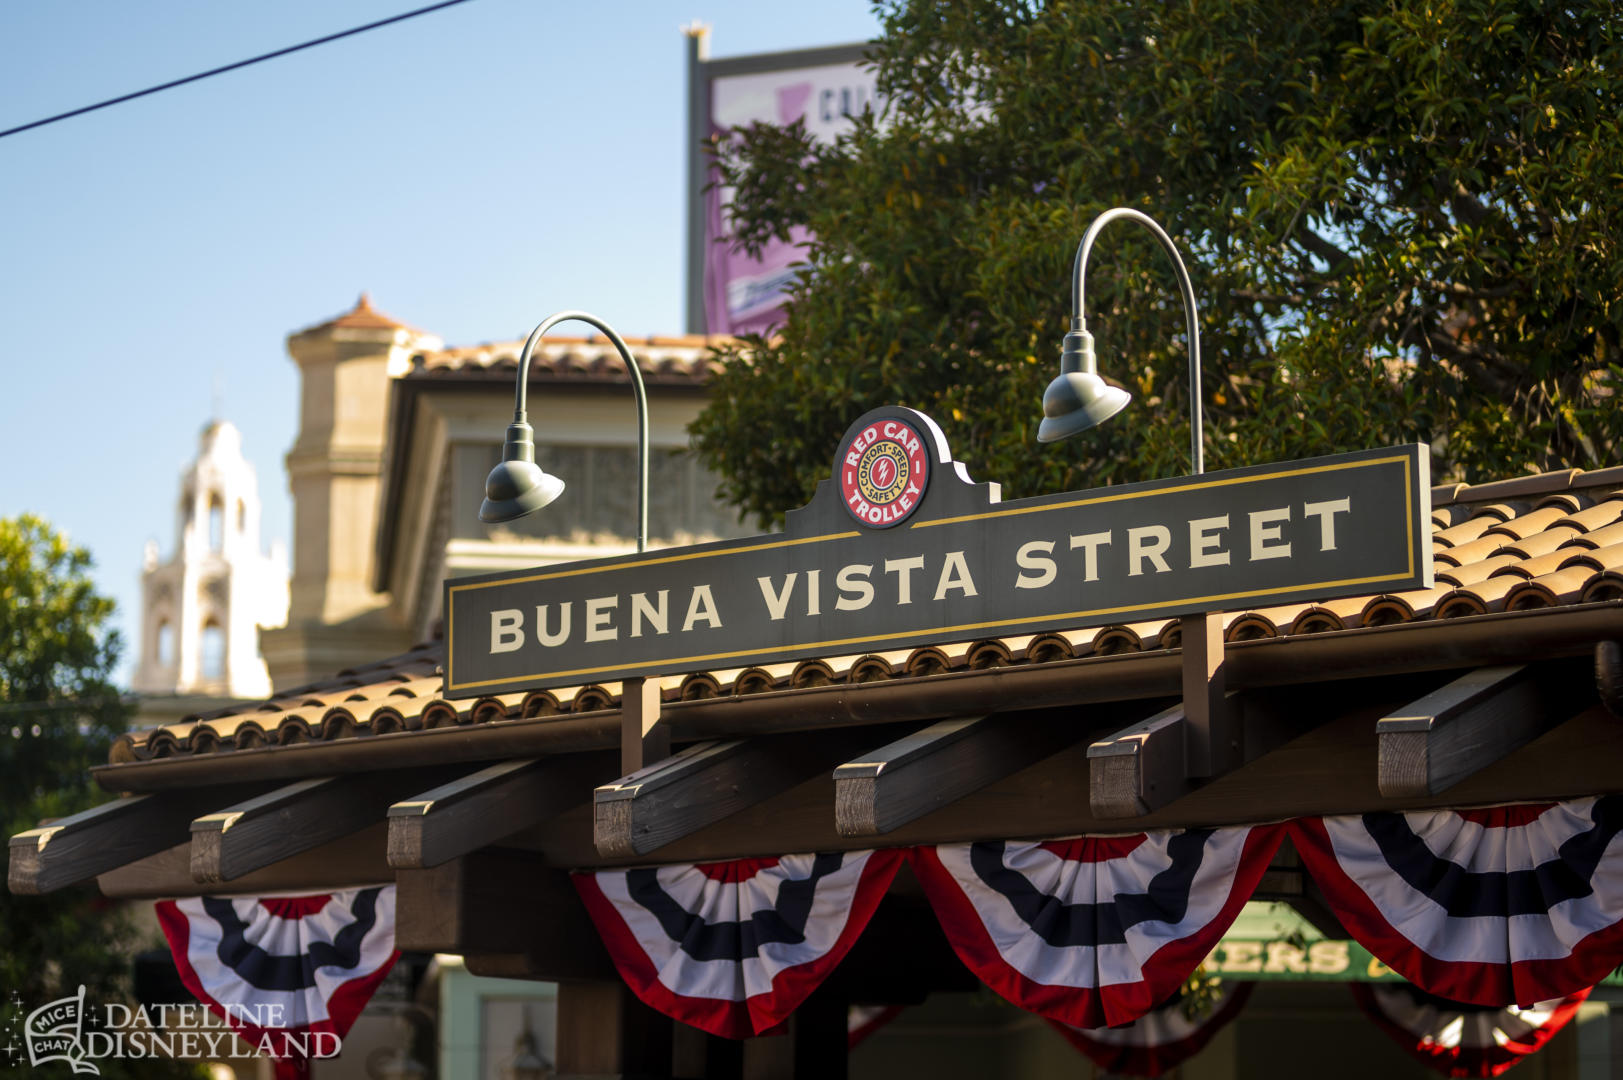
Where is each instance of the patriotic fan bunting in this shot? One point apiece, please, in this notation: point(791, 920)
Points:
point(862, 1021)
point(1489, 907)
point(734, 947)
point(1094, 931)
point(1463, 1040)
point(289, 973)
point(1161, 1038)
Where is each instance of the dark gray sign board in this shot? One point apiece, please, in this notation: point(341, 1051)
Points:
point(886, 557)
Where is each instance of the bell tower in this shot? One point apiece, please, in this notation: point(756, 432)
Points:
point(202, 609)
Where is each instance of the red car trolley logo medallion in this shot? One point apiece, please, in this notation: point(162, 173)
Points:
point(884, 470)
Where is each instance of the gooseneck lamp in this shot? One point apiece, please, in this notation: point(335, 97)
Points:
point(1078, 398)
point(517, 486)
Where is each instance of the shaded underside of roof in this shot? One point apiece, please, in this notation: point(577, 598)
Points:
point(1546, 542)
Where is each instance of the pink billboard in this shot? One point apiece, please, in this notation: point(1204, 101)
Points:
point(741, 294)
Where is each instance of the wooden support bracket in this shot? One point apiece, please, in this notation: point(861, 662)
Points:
point(605, 1031)
point(706, 782)
point(1609, 675)
point(106, 837)
point(519, 916)
point(643, 738)
point(1463, 727)
point(940, 764)
point(1212, 730)
point(291, 819)
point(483, 807)
point(1287, 882)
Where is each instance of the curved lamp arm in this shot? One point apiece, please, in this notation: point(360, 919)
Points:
point(520, 416)
point(1079, 319)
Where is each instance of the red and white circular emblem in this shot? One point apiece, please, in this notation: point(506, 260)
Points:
point(884, 471)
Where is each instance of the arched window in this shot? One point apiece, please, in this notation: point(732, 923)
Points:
point(242, 516)
point(216, 523)
point(165, 644)
point(213, 665)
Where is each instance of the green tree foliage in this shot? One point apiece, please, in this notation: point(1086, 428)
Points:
point(58, 713)
point(1402, 220)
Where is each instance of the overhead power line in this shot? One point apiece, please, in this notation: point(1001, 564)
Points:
point(230, 67)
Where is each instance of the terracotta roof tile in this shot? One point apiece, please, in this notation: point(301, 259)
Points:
point(1478, 598)
point(1604, 586)
point(1527, 569)
point(1471, 572)
point(686, 359)
point(1486, 546)
point(1401, 607)
point(1561, 587)
point(1522, 526)
point(363, 316)
point(1604, 558)
point(1520, 487)
point(1602, 537)
point(1602, 514)
point(1444, 494)
point(1535, 542)
point(1547, 541)
point(1466, 531)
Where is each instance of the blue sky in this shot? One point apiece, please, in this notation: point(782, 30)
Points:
point(473, 169)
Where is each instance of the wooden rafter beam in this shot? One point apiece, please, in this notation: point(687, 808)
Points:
point(1461, 728)
point(80, 847)
point(347, 862)
point(291, 819)
point(706, 782)
point(940, 764)
point(1142, 768)
point(481, 808)
point(1139, 769)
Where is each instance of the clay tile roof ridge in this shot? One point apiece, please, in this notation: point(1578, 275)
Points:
point(363, 316)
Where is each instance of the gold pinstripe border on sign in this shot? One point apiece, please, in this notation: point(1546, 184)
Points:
point(869, 639)
point(899, 638)
point(1095, 500)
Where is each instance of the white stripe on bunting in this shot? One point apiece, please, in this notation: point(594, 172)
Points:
point(1162, 1038)
point(1094, 931)
point(1489, 907)
point(733, 947)
point(1463, 1040)
point(281, 965)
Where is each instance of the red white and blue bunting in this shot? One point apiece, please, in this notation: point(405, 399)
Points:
point(289, 973)
point(1162, 1038)
point(1463, 1040)
point(862, 1021)
point(734, 947)
point(1512, 904)
point(1093, 931)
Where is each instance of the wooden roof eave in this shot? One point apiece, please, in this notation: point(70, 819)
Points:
point(1430, 645)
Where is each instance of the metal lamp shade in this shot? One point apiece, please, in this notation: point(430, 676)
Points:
point(1076, 401)
point(517, 486)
